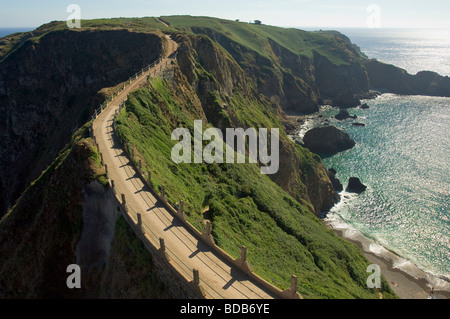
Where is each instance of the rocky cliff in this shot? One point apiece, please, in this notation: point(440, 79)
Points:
point(397, 80)
point(296, 81)
point(49, 87)
point(219, 81)
point(69, 216)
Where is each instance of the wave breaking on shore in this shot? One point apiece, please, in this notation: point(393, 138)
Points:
point(373, 246)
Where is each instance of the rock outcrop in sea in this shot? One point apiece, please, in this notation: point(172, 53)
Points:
point(343, 115)
point(355, 185)
point(327, 140)
point(365, 106)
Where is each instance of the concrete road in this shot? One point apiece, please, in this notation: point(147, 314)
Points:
point(218, 278)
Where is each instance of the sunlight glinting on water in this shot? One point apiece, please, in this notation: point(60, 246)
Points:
point(401, 156)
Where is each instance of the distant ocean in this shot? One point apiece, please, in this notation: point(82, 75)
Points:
point(412, 49)
point(403, 156)
point(7, 31)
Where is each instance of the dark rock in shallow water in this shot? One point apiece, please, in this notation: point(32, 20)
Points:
point(334, 181)
point(364, 106)
point(327, 140)
point(343, 115)
point(355, 185)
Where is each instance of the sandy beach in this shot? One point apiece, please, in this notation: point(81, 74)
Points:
point(403, 283)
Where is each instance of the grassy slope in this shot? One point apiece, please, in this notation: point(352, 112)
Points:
point(252, 36)
point(255, 37)
point(246, 208)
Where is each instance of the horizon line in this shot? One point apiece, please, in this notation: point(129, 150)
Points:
point(242, 21)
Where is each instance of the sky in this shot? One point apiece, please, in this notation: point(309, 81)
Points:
point(285, 13)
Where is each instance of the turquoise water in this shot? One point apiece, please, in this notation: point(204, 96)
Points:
point(412, 49)
point(402, 155)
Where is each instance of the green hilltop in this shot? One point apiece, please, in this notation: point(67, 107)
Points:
point(252, 36)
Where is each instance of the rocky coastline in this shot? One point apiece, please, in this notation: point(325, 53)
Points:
point(318, 133)
point(408, 283)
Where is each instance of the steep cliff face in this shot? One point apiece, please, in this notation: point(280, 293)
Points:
point(295, 81)
point(333, 80)
point(67, 217)
point(48, 88)
point(304, 176)
point(293, 89)
point(299, 91)
point(39, 235)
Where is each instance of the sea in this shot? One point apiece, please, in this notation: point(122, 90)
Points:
point(402, 155)
point(7, 31)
